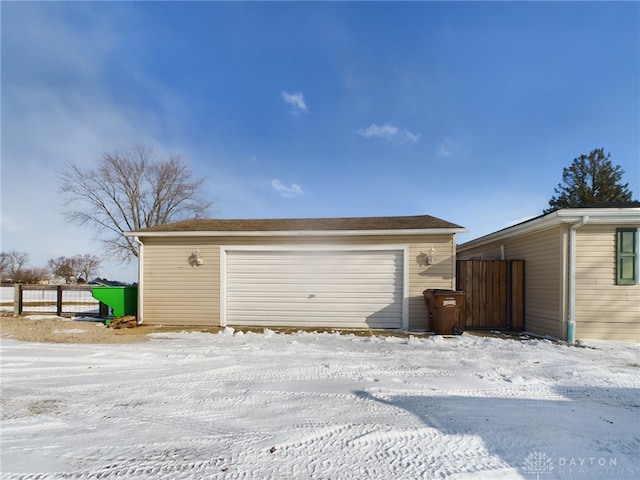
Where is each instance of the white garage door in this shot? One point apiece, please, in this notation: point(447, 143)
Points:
point(346, 289)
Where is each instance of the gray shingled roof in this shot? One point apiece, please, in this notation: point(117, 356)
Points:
point(420, 222)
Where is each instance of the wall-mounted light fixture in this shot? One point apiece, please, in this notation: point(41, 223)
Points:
point(426, 259)
point(432, 256)
point(195, 259)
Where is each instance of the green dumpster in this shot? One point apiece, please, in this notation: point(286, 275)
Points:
point(122, 300)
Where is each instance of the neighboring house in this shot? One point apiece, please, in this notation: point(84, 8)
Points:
point(581, 271)
point(323, 272)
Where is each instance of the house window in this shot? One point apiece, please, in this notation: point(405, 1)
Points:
point(627, 256)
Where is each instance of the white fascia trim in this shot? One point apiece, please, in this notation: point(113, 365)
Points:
point(223, 287)
point(405, 288)
point(224, 249)
point(600, 216)
point(301, 233)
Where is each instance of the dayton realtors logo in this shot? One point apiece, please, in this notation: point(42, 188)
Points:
point(539, 463)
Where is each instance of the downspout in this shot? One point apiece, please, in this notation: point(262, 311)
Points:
point(140, 315)
point(571, 287)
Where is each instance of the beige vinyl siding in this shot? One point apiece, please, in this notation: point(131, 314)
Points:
point(439, 275)
point(177, 294)
point(545, 268)
point(604, 310)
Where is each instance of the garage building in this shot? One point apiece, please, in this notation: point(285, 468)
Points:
point(360, 273)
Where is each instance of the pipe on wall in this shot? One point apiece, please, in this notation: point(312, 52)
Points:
point(140, 315)
point(571, 287)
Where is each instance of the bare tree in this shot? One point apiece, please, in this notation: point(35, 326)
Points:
point(32, 275)
point(12, 263)
point(64, 267)
point(4, 266)
point(129, 190)
point(86, 266)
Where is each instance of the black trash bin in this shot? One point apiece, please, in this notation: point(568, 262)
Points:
point(443, 308)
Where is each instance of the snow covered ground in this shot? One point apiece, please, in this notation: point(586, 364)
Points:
point(327, 406)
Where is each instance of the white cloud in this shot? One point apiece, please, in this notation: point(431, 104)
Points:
point(291, 191)
point(296, 100)
point(386, 131)
point(447, 148)
point(411, 137)
point(450, 148)
point(390, 133)
point(445, 151)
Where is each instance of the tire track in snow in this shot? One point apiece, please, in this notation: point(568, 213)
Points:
point(192, 413)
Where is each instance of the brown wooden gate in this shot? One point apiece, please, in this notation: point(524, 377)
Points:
point(494, 293)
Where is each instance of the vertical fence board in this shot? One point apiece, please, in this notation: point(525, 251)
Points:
point(517, 289)
point(479, 283)
point(494, 293)
point(503, 293)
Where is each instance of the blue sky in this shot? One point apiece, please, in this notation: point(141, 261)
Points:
point(464, 111)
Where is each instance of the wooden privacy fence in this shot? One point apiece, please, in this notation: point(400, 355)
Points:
point(494, 293)
point(55, 299)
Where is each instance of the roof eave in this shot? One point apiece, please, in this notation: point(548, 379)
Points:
point(602, 216)
point(299, 233)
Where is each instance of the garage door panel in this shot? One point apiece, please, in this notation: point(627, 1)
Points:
point(308, 271)
point(312, 256)
point(327, 288)
point(321, 322)
point(295, 319)
point(356, 289)
point(345, 307)
point(346, 298)
point(375, 302)
point(250, 282)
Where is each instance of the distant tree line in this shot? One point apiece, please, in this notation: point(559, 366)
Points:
point(77, 269)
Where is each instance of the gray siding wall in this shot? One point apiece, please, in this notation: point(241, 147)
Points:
point(174, 293)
